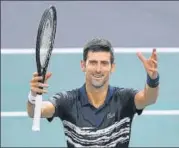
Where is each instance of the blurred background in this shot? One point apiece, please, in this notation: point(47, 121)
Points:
point(152, 24)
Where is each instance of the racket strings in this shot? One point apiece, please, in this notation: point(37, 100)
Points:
point(45, 42)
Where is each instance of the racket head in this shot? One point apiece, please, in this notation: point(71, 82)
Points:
point(45, 40)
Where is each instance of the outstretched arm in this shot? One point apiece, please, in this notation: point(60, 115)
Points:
point(150, 92)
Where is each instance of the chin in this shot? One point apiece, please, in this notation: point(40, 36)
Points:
point(97, 85)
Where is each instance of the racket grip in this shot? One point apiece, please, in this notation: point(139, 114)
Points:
point(37, 113)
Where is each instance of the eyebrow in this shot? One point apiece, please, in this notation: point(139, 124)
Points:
point(100, 61)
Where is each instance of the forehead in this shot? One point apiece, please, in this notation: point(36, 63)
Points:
point(99, 55)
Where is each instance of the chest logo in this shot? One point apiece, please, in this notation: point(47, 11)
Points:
point(110, 115)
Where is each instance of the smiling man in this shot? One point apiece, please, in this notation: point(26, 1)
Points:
point(98, 114)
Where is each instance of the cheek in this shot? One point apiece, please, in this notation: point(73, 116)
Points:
point(89, 68)
point(108, 73)
point(107, 70)
point(88, 71)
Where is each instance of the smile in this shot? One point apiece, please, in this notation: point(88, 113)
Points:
point(98, 76)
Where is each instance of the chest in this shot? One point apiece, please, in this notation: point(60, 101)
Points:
point(88, 116)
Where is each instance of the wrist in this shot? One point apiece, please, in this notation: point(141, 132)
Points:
point(32, 97)
point(152, 82)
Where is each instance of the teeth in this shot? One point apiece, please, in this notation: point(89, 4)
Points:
point(97, 76)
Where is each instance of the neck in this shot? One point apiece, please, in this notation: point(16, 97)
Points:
point(96, 96)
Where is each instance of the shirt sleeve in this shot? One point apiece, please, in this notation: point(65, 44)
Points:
point(130, 93)
point(62, 102)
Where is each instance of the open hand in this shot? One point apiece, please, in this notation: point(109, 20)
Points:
point(150, 64)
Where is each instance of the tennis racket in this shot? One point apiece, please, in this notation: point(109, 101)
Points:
point(44, 46)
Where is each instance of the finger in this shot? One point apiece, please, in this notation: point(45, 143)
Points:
point(141, 57)
point(44, 85)
point(154, 54)
point(35, 74)
point(38, 90)
point(155, 63)
point(154, 50)
point(152, 69)
point(48, 75)
point(36, 79)
point(32, 84)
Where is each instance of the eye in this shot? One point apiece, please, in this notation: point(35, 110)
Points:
point(92, 62)
point(105, 63)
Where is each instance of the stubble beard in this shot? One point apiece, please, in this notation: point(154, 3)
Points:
point(97, 84)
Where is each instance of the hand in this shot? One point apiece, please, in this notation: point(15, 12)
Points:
point(35, 84)
point(150, 64)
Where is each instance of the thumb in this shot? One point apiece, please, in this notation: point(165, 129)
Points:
point(48, 75)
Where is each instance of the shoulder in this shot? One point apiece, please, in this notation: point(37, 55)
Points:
point(67, 94)
point(125, 92)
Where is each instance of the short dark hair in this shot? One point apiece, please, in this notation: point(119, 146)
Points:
point(96, 45)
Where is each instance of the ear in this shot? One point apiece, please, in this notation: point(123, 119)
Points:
point(113, 67)
point(83, 66)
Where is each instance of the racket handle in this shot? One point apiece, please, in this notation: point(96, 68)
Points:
point(37, 113)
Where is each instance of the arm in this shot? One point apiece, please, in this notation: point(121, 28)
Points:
point(150, 93)
point(47, 110)
point(146, 97)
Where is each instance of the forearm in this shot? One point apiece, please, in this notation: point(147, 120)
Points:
point(30, 109)
point(151, 90)
point(151, 94)
point(31, 104)
point(47, 108)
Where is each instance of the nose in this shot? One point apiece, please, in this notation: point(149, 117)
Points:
point(98, 68)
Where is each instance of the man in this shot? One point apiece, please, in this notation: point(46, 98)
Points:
point(98, 114)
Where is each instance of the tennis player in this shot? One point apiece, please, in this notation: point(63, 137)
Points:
point(98, 114)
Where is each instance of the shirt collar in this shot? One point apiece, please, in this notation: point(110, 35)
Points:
point(84, 97)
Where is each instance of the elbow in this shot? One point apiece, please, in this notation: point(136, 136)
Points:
point(153, 100)
point(155, 97)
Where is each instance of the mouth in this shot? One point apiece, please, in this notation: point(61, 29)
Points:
point(98, 76)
